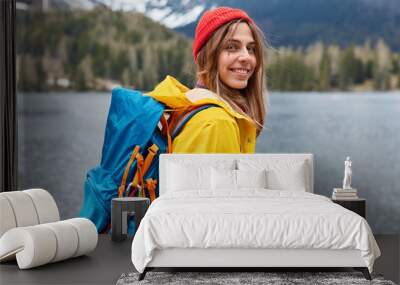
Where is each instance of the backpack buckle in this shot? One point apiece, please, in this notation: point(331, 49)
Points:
point(139, 190)
point(128, 189)
point(153, 149)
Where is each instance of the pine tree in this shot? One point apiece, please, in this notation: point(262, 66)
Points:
point(382, 67)
point(350, 69)
point(325, 71)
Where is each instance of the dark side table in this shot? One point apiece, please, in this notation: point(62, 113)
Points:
point(121, 209)
point(357, 205)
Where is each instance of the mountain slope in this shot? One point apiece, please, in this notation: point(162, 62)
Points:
point(96, 49)
point(299, 23)
point(287, 22)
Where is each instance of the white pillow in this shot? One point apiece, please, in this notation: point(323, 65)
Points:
point(182, 177)
point(236, 179)
point(282, 174)
point(251, 178)
point(193, 174)
point(290, 179)
point(223, 179)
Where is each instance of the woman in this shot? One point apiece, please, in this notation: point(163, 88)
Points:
point(228, 51)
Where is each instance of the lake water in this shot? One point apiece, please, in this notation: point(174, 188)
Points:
point(61, 136)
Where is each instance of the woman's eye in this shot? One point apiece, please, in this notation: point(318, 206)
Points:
point(251, 49)
point(231, 47)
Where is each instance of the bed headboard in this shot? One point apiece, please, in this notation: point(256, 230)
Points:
point(237, 160)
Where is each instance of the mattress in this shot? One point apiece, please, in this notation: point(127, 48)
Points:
point(251, 219)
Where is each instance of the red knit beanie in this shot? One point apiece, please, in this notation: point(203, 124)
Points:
point(211, 21)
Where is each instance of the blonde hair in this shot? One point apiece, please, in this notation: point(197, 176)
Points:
point(248, 101)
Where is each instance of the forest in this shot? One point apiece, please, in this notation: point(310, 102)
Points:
point(96, 50)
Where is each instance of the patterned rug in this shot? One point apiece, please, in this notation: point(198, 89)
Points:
point(269, 278)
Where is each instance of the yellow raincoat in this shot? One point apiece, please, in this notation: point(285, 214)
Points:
point(214, 130)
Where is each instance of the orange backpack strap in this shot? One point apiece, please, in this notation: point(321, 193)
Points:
point(152, 151)
point(151, 185)
point(176, 115)
point(121, 188)
point(144, 165)
point(139, 173)
point(166, 132)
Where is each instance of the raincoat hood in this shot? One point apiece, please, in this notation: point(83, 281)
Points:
point(215, 130)
point(175, 95)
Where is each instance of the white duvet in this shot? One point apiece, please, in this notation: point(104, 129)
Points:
point(250, 218)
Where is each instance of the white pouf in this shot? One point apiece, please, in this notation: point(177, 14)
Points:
point(40, 244)
point(31, 230)
point(26, 208)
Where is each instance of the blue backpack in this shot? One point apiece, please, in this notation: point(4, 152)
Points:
point(133, 141)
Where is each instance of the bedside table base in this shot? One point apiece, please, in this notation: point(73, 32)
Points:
point(358, 206)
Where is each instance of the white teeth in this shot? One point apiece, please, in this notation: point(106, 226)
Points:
point(240, 70)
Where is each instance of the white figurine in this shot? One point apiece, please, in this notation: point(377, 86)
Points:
point(347, 174)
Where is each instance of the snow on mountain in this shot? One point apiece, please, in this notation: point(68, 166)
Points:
point(330, 19)
point(171, 13)
point(126, 5)
point(67, 4)
point(174, 20)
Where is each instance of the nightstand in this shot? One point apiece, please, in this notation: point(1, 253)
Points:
point(357, 205)
point(121, 209)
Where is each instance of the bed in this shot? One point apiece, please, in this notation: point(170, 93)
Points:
point(238, 210)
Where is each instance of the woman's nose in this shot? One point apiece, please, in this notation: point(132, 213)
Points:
point(244, 54)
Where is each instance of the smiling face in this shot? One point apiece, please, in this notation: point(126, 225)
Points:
point(237, 60)
point(231, 64)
